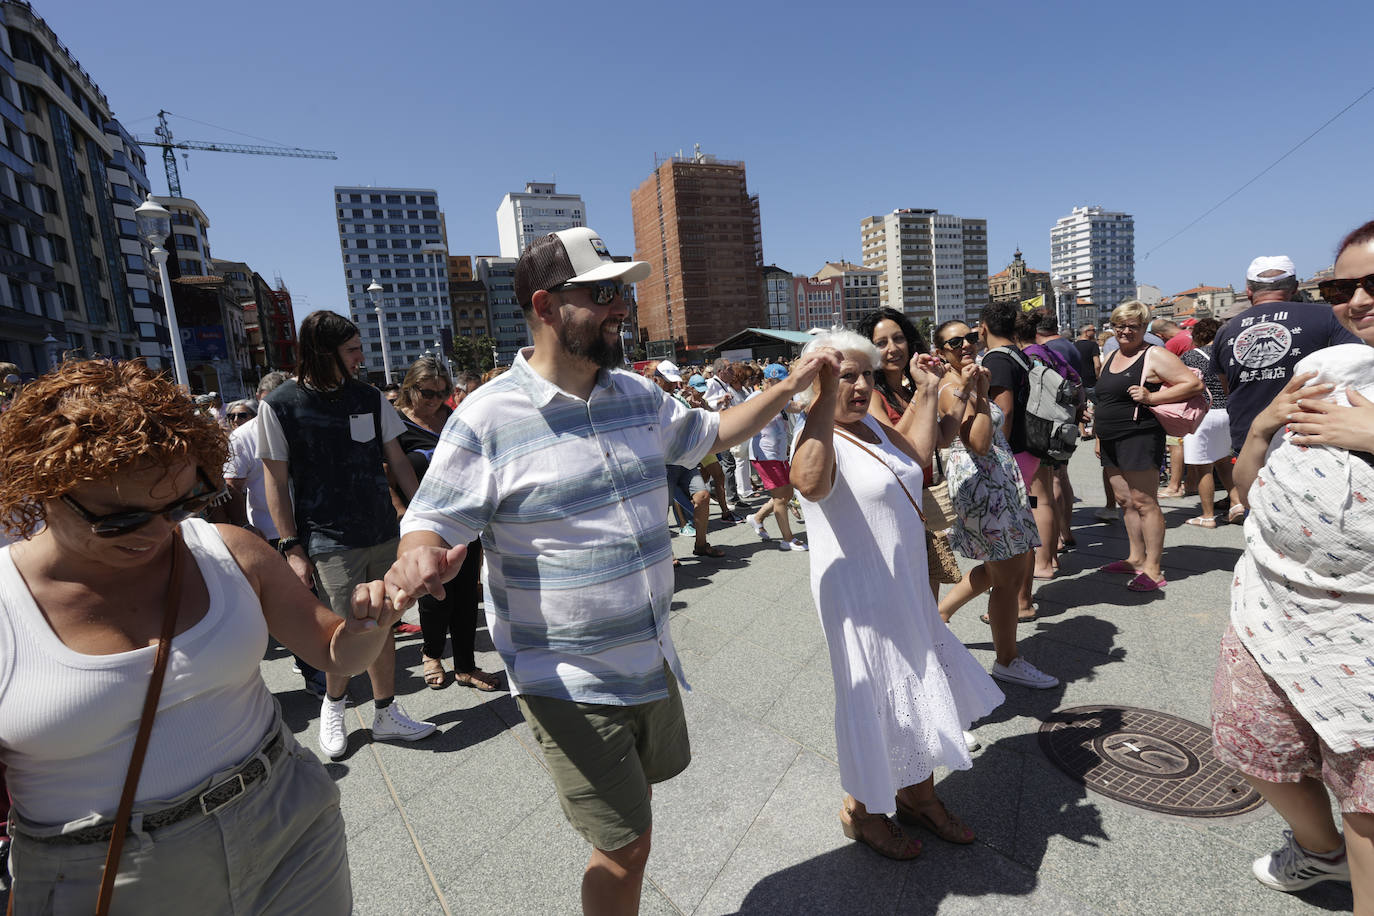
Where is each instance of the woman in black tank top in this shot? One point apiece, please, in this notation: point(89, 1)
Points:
point(1130, 441)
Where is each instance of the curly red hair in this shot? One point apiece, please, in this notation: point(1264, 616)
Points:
point(89, 420)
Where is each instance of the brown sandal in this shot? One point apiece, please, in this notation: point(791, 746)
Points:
point(945, 825)
point(878, 833)
point(435, 675)
point(479, 679)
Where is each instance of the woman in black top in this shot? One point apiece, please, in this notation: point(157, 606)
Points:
point(1130, 440)
point(421, 405)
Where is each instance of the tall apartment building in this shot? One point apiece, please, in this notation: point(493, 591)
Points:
point(697, 224)
point(861, 289)
point(525, 216)
point(778, 299)
point(76, 244)
point(931, 265)
point(508, 328)
point(467, 298)
point(1093, 251)
point(395, 237)
point(130, 187)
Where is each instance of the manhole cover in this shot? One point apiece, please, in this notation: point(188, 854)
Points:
point(1148, 759)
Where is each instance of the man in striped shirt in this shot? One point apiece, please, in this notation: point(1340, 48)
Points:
point(558, 465)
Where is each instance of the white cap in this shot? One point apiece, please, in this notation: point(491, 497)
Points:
point(669, 370)
point(592, 260)
point(1271, 262)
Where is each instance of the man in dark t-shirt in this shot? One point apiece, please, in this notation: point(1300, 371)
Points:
point(1255, 351)
point(1047, 335)
point(1089, 352)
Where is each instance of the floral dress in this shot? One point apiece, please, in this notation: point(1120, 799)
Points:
point(993, 519)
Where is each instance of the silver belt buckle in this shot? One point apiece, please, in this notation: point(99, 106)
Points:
point(206, 807)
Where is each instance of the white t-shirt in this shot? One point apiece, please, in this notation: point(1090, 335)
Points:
point(720, 395)
point(272, 439)
point(244, 464)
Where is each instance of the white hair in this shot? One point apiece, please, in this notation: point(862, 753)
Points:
point(849, 343)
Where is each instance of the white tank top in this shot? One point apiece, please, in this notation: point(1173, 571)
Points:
point(68, 720)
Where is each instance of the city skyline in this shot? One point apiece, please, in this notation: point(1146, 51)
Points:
point(1117, 127)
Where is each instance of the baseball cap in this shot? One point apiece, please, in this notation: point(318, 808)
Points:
point(775, 370)
point(575, 255)
point(669, 370)
point(698, 382)
point(1267, 262)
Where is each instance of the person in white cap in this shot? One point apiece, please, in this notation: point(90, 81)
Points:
point(559, 466)
point(1255, 351)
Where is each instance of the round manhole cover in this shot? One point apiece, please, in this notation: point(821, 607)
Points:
point(1148, 759)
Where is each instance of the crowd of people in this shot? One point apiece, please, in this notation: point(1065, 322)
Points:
point(156, 533)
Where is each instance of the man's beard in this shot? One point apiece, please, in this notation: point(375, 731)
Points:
point(590, 344)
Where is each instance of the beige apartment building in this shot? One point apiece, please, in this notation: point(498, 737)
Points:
point(931, 265)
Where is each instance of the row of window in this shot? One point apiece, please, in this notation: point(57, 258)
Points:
point(387, 214)
point(385, 243)
point(379, 229)
point(424, 200)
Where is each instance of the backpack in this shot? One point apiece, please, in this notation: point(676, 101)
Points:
point(1052, 404)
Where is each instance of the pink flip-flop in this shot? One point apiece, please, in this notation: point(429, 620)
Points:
point(1143, 583)
point(1119, 566)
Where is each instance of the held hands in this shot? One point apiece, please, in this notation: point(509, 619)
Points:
point(926, 372)
point(422, 571)
point(823, 362)
point(1285, 405)
point(1321, 422)
point(371, 608)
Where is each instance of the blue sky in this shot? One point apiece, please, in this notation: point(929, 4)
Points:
point(1012, 112)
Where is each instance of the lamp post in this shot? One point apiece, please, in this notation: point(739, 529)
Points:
point(154, 227)
point(374, 289)
point(50, 345)
point(1060, 286)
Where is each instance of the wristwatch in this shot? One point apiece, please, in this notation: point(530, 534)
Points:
point(286, 544)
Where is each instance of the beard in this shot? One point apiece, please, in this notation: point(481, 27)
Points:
point(589, 342)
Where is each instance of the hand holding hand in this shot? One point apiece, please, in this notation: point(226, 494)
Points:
point(926, 372)
point(823, 362)
point(422, 571)
point(1323, 422)
point(371, 608)
point(1285, 403)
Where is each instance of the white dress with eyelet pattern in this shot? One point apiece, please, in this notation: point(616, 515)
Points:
point(905, 686)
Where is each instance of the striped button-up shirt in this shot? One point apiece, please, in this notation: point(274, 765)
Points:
point(570, 499)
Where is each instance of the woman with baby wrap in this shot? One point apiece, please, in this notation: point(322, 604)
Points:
point(1291, 705)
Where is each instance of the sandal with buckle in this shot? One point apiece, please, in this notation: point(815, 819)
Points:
point(947, 827)
point(478, 678)
point(435, 675)
point(880, 834)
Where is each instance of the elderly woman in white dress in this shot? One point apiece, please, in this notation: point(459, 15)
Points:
point(905, 687)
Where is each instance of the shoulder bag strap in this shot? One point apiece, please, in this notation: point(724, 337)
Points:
point(145, 730)
point(1144, 374)
point(915, 505)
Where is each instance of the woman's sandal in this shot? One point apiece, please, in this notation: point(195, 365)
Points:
point(878, 833)
point(435, 675)
point(1202, 521)
point(714, 553)
point(944, 825)
point(479, 679)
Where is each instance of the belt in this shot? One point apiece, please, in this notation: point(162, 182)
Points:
point(207, 802)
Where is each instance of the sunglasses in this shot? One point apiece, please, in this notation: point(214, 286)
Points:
point(429, 395)
point(239, 417)
point(1339, 292)
point(968, 339)
point(604, 292)
point(1126, 327)
point(118, 523)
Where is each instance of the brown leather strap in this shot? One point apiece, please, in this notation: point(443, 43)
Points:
point(915, 505)
point(145, 731)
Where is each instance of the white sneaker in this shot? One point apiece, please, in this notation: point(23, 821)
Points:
point(333, 735)
point(1024, 673)
point(972, 741)
point(392, 724)
point(1293, 868)
point(793, 544)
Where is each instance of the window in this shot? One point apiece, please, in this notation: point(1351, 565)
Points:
point(60, 255)
point(40, 150)
point(355, 199)
point(185, 242)
point(49, 199)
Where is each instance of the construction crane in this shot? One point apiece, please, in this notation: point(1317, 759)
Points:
point(169, 158)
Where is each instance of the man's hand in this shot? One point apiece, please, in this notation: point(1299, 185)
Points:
point(1285, 404)
point(1323, 422)
point(371, 608)
point(302, 566)
point(422, 571)
point(805, 369)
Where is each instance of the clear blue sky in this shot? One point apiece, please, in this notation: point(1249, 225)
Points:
point(1012, 112)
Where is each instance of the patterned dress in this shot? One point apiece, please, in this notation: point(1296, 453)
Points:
point(993, 519)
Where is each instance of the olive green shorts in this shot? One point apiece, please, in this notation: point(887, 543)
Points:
point(603, 760)
point(339, 572)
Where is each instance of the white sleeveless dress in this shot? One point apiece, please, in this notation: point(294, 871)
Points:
point(905, 686)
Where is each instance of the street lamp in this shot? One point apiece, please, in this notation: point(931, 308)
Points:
point(154, 227)
point(50, 344)
point(374, 289)
point(1060, 286)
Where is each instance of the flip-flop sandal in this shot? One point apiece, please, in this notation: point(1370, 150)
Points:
point(1202, 521)
point(1143, 583)
point(1019, 618)
point(1235, 513)
point(714, 553)
point(950, 829)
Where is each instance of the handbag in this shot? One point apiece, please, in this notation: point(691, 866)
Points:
point(935, 500)
point(1181, 418)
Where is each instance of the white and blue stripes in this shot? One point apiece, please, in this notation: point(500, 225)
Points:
point(570, 499)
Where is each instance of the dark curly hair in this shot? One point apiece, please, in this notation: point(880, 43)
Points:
point(915, 343)
point(89, 420)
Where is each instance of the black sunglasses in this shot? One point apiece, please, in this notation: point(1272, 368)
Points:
point(604, 292)
point(429, 395)
point(1339, 292)
point(969, 339)
point(117, 523)
point(239, 417)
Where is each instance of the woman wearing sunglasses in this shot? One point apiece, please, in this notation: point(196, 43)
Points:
point(421, 405)
point(1290, 706)
point(230, 814)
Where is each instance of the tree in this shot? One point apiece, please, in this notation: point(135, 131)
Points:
point(473, 354)
point(924, 326)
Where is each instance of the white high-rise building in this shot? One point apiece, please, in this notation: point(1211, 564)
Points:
point(931, 264)
point(539, 210)
point(508, 328)
point(395, 237)
point(1092, 252)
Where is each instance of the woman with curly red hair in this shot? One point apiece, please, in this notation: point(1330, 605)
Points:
point(103, 470)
